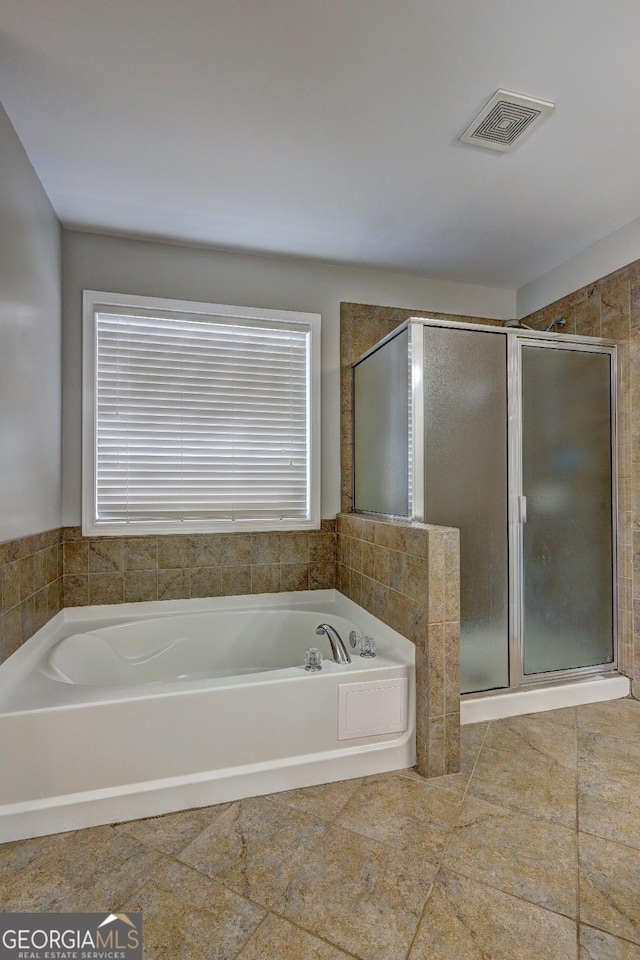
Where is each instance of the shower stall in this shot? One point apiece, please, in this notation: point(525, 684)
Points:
point(509, 435)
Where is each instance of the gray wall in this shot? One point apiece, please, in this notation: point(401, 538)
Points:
point(30, 344)
point(146, 268)
point(588, 266)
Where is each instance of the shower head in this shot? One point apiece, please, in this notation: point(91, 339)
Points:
point(516, 324)
point(560, 323)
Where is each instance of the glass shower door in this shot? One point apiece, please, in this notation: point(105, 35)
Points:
point(566, 510)
point(465, 485)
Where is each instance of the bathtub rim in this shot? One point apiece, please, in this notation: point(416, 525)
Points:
point(19, 674)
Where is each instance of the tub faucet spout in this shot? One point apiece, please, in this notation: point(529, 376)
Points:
point(338, 649)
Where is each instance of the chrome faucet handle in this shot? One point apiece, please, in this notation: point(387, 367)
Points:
point(354, 636)
point(367, 647)
point(313, 660)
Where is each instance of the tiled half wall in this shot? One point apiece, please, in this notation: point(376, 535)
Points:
point(408, 575)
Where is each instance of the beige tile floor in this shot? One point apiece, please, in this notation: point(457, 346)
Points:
point(531, 852)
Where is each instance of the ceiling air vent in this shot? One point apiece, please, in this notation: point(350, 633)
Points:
point(506, 120)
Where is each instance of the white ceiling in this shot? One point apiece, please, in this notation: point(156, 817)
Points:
point(328, 129)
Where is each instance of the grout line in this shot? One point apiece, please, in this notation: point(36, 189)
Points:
point(237, 956)
point(475, 763)
point(311, 846)
point(423, 911)
point(273, 798)
point(444, 852)
point(514, 896)
point(309, 933)
point(473, 880)
point(590, 926)
point(218, 882)
point(619, 843)
point(463, 799)
point(269, 911)
point(444, 848)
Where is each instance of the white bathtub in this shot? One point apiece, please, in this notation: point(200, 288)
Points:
point(134, 710)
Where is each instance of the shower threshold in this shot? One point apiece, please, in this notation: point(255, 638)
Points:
point(495, 705)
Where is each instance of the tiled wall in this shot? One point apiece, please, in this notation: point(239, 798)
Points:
point(611, 308)
point(30, 587)
point(123, 569)
point(408, 575)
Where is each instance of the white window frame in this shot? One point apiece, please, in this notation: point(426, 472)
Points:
point(96, 301)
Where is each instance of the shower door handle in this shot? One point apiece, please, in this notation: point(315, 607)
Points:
point(522, 509)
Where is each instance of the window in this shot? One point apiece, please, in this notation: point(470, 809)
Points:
point(198, 417)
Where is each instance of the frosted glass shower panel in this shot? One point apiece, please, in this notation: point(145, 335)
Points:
point(381, 429)
point(567, 482)
point(465, 470)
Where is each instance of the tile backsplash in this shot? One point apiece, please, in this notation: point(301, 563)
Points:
point(130, 569)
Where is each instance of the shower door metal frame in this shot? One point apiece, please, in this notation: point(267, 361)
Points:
point(416, 406)
point(517, 504)
point(513, 379)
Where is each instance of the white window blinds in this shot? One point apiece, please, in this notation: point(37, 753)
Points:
point(201, 419)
